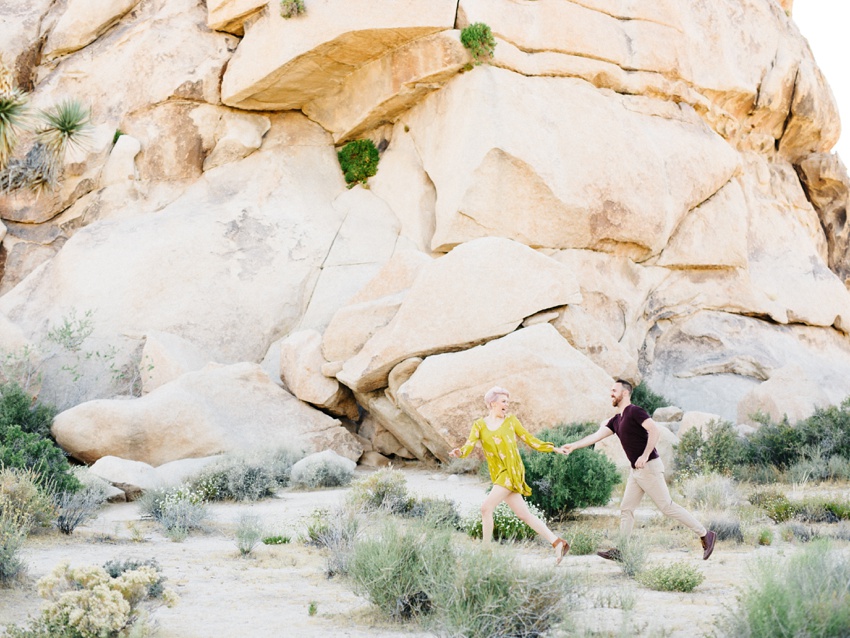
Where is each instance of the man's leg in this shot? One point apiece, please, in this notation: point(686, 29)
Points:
point(653, 483)
point(631, 499)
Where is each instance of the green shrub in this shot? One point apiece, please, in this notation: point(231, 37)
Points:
point(633, 553)
point(647, 399)
point(13, 533)
point(758, 474)
point(292, 8)
point(322, 471)
point(382, 490)
point(678, 576)
point(583, 540)
point(478, 38)
point(358, 161)
point(86, 602)
point(178, 509)
point(239, 478)
point(765, 536)
point(116, 567)
point(559, 485)
point(17, 408)
point(828, 430)
point(807, 594)
point(440, 513)
point(22, 497)
point(249, 533)
point(814, 466)
point(719, 451)
point(777, 444)
point(30, 451)
point(506, 525)
point(75, 508)
point(821, 511)
point(278, 539)
point(776, 505)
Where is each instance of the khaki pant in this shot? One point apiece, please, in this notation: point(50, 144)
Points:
point(650, 480)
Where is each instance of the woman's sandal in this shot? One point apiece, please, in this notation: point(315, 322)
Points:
point(561, 548)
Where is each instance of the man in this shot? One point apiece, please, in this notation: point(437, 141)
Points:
point(638, 435)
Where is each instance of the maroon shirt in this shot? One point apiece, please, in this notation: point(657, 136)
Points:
point(633, 437)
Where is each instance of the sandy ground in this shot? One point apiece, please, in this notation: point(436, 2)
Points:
point(268, 594)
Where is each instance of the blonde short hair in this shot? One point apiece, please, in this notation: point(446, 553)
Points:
point(494, 393)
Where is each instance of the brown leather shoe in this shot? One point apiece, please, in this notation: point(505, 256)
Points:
point(708, 543)
point(611, 554)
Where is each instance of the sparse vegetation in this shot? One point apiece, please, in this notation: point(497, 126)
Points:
point(322, 470)
point(13, 533)
point(249, 533)
point(179, 510)
point(237, 477)
point(727, 527)
point(559, 485)
point(633, 554)
point(506, 525)
point(678, 576)
point(719, 451)
point(478, 39)
point(292, 8)
point(23, 499)
point(382, 490)
point(75, 508)
point(583, 540)
point(650, 401)
point(358, 161)
point(776, 505)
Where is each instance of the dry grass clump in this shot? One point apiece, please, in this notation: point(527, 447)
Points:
point(710, 492)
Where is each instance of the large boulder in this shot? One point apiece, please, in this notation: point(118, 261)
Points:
point(165, 357)
point(485, 287)
point(496, 177)
point(82, 22)
point(788, 393)
point(217, 409)
point(549, 380)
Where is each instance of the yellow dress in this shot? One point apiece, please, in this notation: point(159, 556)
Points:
point(500, 450)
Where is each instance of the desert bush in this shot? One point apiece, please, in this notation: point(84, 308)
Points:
point(793, 530)
point(583, 539)
point(249, 533)
point(30, 451)
point(358, 161)
point(614, 597)
point(277, 539)
point(440, 513)
point(478, 39)
point(828, 430)
point(679, 576)
point(765, 536)
point(645, 398)
point(75, 508)
point(759, 474)
point(506, 525)
point(841, 532)
point(116, 567)
point(22, 497)
point(807, 594)
point(821, 511)
point(814, 466)
point(13, 533)
point(336, 531)
point(240, 478)
point(322, 471)
point(776, 505)
point(178, 509)
point(468, 465)
point(727, 528)
point(720, 450)
point(710, 491)
point(777, 444)
point(633, 553)
point(292, 8)
point(559, 485)
point(382, 490)
point(17, 408)
point(86, 602)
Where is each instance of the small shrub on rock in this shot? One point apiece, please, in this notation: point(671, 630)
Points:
point(358, 161)
point(559, 485)
point(478, 39)
point(506, 525)
point(292, 8)
point(323, 469)
point(678, 576)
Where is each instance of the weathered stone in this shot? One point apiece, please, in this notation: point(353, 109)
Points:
point(788, 393)
point(231, 15)
point(549, 380)
point(465, 281)
point(422, 445)
point(374, 459)
point(399, 375)
point(667, 414)
point(284, 64)
point(82, 22)
point(382, 440)
point(697, 421)
point(139, 476)
point(165, 357)
point(218, 409)
point(301, 363)
point(22, 258)
point(238, 135)
point(502, 183)
point(121, 165)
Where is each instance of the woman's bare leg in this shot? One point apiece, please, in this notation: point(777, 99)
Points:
point(496, 496)
point(520, 508)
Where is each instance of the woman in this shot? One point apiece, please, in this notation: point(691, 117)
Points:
point(498, 433)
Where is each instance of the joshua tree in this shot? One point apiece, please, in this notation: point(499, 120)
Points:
point(53, 131)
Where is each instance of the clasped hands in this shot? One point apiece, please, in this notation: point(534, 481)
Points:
point(565, 449)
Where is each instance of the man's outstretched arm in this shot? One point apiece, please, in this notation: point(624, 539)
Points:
point(602, 433)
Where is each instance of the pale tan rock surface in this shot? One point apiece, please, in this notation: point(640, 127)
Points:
point(788, 393)
point(301, 363)
point(82, 22)
point(121, 165)
point(550, 383)
point(275, 66)
point(237, 136)
point(19, 35)
point(165, 357)
point(697, 421)
point(423, 445)
point(217, 409)
point(502, 183)
point(465, 281)
point(231, 15)
point(382, 440)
